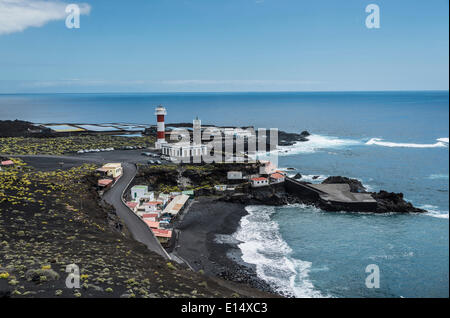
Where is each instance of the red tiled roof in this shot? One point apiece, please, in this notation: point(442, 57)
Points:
point(162, 233)
point(7, 163)
point(259, 179)
point(151, 224)
point(276, 175)
point(149, 215)
point(132, 204)
point(104, 182)
point(152, 203)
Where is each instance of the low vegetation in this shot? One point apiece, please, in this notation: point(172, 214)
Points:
point(69, 144)
point(49, 220)
point(173, 178)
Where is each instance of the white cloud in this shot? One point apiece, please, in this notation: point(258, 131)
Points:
point(17, 15)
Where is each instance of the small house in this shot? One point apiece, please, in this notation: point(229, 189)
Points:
point(259, 182)
point(164, 198)
point(152, 224)
point(148, 196)
point(150, 216)
point(277, 178)
point(104, 183)
point(234, 175)
point(138, 191)
point(114, 170)
point(132, 205)
point(176, 205)
point(151, 206)
point(162, 235)
point(267, 167)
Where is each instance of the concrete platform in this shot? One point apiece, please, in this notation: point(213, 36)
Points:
point(341, 193)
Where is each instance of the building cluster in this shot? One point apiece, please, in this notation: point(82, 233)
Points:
point(109, 174)
point(270, 175)
point(192, 147)
point(158, 212)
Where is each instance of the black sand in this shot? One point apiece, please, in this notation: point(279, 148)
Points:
point(197, 243)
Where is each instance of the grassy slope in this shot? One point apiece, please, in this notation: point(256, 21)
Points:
point(49, 220)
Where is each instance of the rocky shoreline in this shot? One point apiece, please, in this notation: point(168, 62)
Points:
point(278, 195)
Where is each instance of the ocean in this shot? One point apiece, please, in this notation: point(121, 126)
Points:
point(396, 141)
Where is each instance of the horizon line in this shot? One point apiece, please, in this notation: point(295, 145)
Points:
point(232, 92)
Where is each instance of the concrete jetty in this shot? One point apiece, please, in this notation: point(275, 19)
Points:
point(335, 196)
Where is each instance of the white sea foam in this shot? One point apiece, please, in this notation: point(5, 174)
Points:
point(319, 142)
point(315, 143)
point(313, 178)
point(434, 211)
point(380, 142)
point(438, 176)
point(263, 246)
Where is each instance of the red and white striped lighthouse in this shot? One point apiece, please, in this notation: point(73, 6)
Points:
point(160, 112)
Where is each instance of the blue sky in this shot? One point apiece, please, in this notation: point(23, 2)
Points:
point(223, 45)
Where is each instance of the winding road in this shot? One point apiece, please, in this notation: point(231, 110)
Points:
point(139, 230)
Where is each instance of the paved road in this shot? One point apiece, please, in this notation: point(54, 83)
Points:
point(140, 231)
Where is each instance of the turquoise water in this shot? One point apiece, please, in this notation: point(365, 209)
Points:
point(396, 141)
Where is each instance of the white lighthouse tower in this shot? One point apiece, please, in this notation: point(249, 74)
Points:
point(160, 112)
point(197, 131)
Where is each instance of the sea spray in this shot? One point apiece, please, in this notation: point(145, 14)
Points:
point(380, 142)
point(316, 143)
point(262, 245)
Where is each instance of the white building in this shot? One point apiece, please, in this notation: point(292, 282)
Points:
point(277, 178)
point(175, 206)
point(183, 151)
point(234, 175)
point(151, 206)
point(259, 182)
point(140, 192)
point(164, 198)
point(113, 170)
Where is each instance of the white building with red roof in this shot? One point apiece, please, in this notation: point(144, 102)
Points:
point(277, 177)
point(259, 182)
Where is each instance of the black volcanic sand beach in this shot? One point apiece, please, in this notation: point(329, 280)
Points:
point(197, 244)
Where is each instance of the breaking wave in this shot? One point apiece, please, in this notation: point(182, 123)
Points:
point(262, 245)
point(313, 178)
point(438, 176)
point(321, 142)
point(434, 211)
point(441, 142)
point(315, 143)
